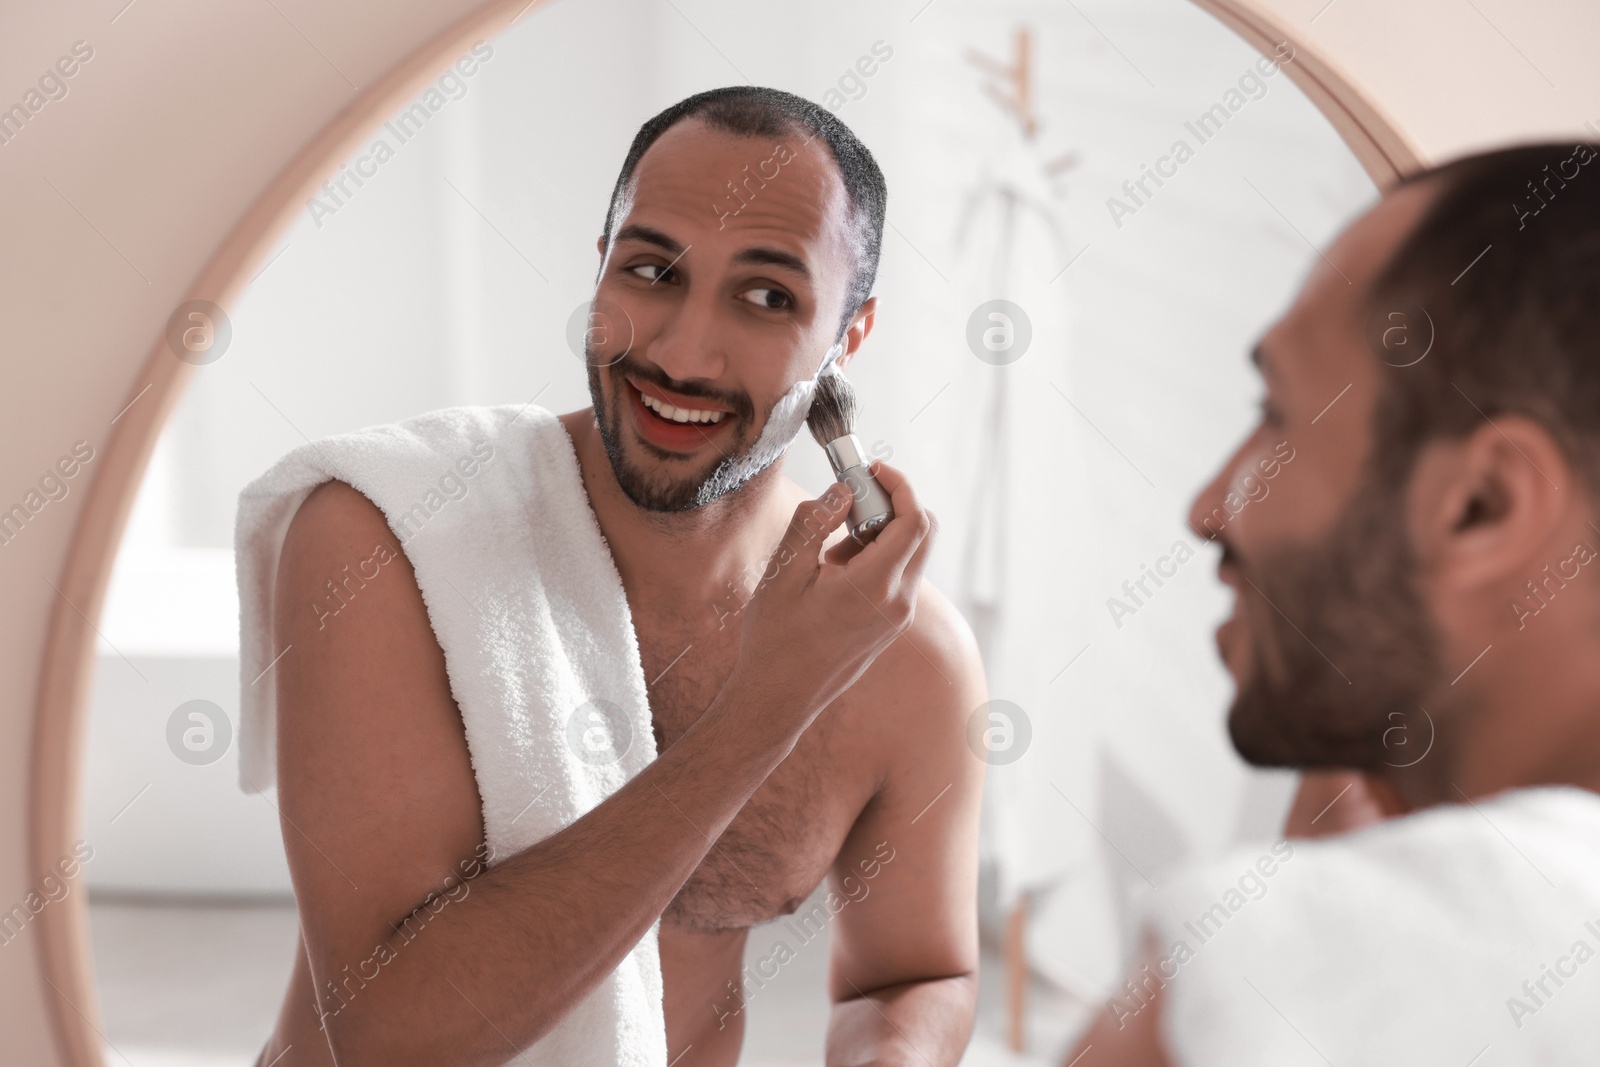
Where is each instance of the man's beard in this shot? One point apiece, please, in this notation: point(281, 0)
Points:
point(651, 486)
point(1346, 650)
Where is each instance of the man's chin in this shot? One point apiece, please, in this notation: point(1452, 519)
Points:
point(655, 480)
point(1271, 723)
point(1233, 650)
point(654, 489)
point(1308, 729)
point(1260, 743)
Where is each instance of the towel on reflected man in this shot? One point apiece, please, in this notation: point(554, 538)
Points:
point(525, 600)
point(1457, 934)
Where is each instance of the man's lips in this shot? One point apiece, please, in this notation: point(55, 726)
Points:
point(677, 400)
point(1226, 634)
point(667, 433)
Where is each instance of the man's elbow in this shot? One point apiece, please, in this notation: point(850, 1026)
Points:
point(959, 985)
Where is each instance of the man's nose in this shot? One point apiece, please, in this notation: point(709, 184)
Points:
point(1209, 501)
point(690, 343)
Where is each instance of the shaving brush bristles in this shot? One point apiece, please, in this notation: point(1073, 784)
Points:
point(832, 419)
point(833, 409)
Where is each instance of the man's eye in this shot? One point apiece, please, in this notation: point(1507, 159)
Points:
point(767, 298)
point(649, 269)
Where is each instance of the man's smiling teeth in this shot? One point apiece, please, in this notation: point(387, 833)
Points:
point(667, 411)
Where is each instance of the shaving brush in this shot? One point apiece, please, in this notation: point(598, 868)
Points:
point(832, 420)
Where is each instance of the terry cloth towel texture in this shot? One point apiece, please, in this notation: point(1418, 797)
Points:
point(1462, 933)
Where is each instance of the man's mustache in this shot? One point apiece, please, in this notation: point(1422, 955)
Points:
point(738, 402)
point(1232, 561)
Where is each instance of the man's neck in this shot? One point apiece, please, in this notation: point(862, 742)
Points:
point(1530, 718)
point(690, 557)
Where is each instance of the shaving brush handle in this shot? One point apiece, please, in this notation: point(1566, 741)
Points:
point(870, 509)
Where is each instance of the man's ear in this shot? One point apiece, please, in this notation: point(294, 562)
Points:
point(600, 245)
point(860, 326)
point(1487, 507)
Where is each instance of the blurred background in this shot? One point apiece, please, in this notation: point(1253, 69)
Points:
point(1061, 457)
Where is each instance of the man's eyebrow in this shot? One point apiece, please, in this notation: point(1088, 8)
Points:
point(649, 235)
point(774, 257)
point(764, 257)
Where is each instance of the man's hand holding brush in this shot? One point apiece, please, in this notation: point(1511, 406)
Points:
point(820, 617)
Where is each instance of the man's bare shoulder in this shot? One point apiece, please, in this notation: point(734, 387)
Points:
point(925, 685)
point(936, 656)
point(941, 626)
point(335, 515)
point(344, 581)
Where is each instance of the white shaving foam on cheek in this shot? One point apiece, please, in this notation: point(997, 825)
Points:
point(782, 426)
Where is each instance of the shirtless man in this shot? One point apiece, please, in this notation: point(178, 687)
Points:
point(1415, 625)
point(815, 730)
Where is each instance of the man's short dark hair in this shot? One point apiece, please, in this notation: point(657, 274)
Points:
point(1505, 263)
point(753, 111)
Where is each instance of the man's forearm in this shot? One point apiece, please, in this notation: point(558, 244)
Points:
point(535, 934)
point(917, 1024)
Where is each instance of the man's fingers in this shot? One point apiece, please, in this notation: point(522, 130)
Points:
point(911, 575)
point(846, 550)
point(849, 548)
point(809, 527)
point(899, 538)
point(888, 571)
point(889, 477)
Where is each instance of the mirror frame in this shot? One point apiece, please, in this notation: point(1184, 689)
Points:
point(67, 671)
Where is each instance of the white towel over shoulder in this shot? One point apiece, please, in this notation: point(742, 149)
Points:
point(525, 600)
point(1459, 934)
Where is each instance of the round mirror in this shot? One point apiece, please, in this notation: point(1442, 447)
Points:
point(1093, 212)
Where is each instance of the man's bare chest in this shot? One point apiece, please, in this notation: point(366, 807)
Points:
point(781, 844)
